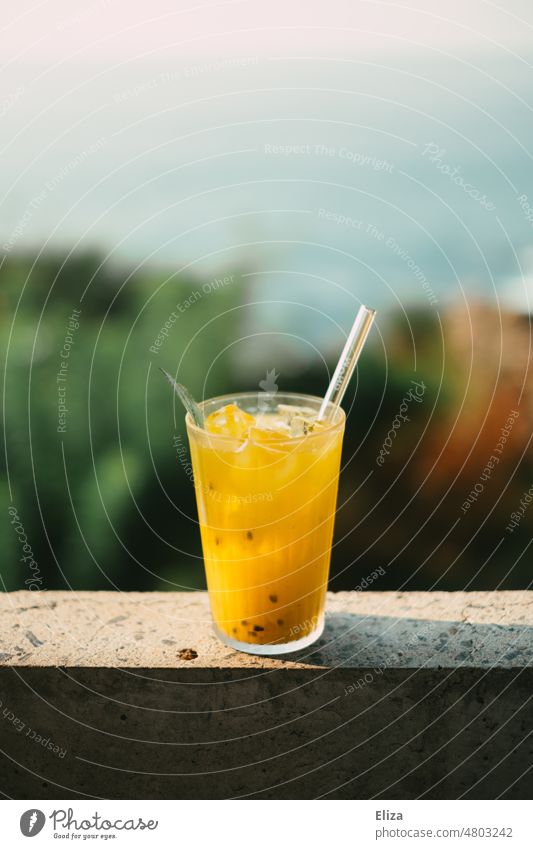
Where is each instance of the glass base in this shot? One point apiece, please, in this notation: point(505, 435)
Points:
point(271, 648)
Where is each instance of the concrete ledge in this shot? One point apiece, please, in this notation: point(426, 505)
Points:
point(131, 696)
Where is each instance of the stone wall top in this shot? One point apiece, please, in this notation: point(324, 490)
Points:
point(363, 630)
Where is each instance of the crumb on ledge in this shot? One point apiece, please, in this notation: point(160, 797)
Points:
point(187, 654)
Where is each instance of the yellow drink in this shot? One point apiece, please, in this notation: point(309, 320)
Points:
point(266, 504)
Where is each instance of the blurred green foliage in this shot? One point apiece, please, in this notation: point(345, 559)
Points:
point(101, 502)
point(107, 504)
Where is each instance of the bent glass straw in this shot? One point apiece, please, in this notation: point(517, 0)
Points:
point(348, 359)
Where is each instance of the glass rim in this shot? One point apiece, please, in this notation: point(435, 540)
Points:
point(291, 440)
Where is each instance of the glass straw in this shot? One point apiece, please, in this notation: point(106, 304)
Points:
point(186, 399)
point(348, 359)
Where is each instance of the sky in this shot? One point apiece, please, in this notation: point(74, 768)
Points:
point(155, 153)
point(98, 30)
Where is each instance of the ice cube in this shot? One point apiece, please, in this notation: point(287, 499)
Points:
point(230, 421)
point(273, 423)
point(300, 426)
point(261, 434)
point(288, 412)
